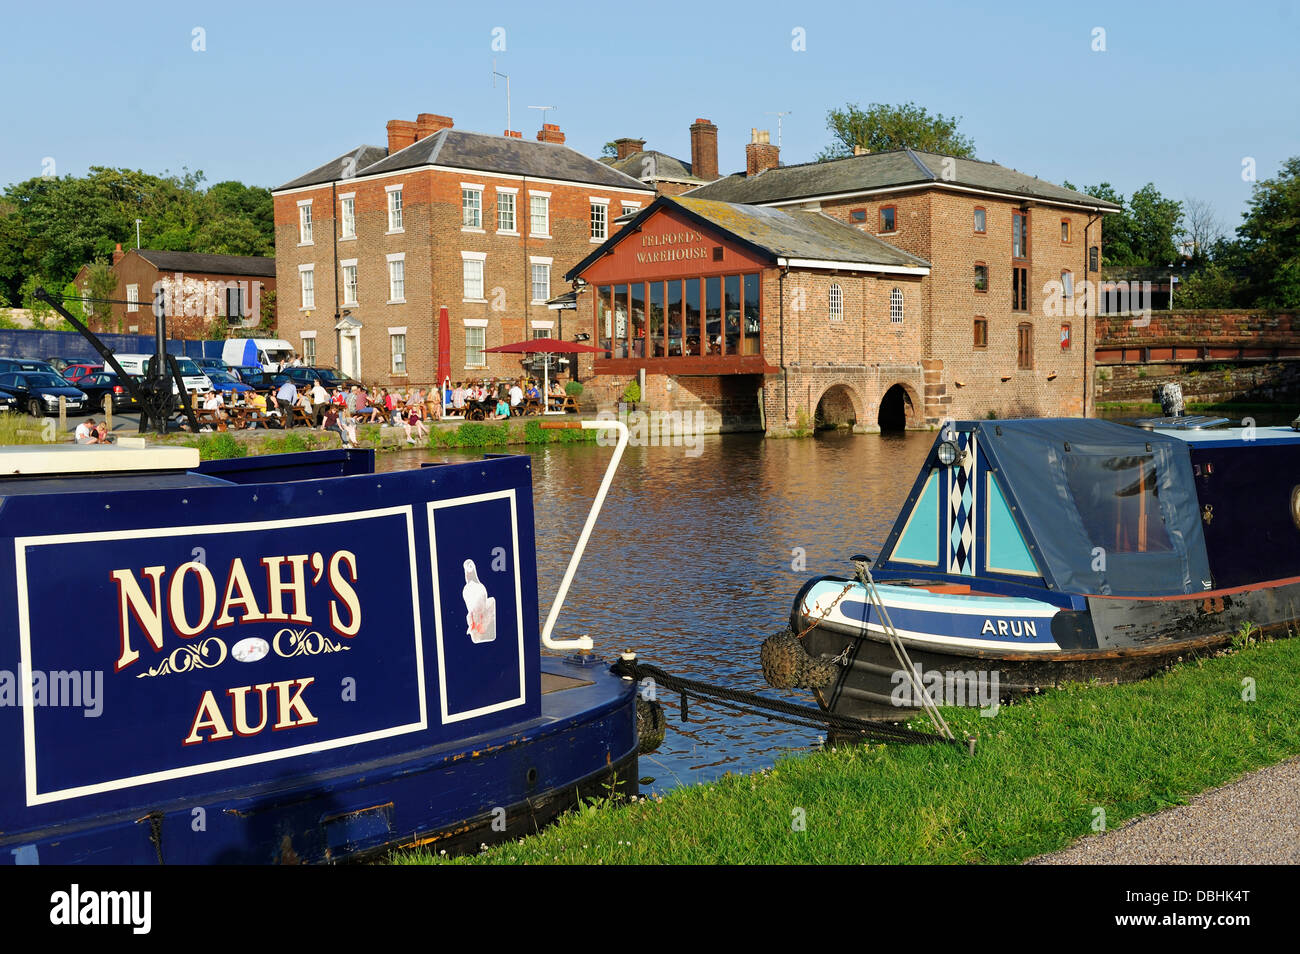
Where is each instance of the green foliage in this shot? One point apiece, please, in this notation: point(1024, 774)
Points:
point(1213, 286)
point(534, 433)
point(470, 434)
point(220, 446)
point(52, 226)
point(803, 425)
point(609, 150)
point(102, 283)
point(266, 316)
point(1270, 239)
point(632, 393)
point(16, 428)
point(881, 128)
point(573, 389)
point(289, 443)
point(370, 434)
point(1143, 233)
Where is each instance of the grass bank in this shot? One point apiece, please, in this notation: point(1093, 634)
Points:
point(466, 435)
point(1042, 773)
point(18, 428)
point(1224, 408)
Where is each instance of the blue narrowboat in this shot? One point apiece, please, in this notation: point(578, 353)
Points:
point(287, 658)
point(1031, 553)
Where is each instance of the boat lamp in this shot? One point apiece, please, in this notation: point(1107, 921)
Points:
point(949, 454)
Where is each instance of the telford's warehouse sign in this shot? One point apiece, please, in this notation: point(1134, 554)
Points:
point(672, 247)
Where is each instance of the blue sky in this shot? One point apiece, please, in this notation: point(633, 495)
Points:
point(1182, 94)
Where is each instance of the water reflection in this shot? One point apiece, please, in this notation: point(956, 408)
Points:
point(692, 563)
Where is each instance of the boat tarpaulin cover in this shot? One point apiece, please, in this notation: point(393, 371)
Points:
point(1113, 509)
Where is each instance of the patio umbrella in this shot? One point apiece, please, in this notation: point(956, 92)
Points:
point(545, 346)
point(444, 352)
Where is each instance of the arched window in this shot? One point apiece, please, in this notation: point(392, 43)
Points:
point(896, 305)
point(836, 303)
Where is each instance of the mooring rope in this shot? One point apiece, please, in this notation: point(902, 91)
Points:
point(754, 704)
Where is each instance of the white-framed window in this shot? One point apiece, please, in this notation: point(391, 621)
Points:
point(539, 208)
point(473, 275)
point(349, 282)
point(348, 216)
point(599, 220)
point(304, 222)
point(542, 328)
point(395, 209)
point(475, 342)
point(397, 277)
point(309, 348)
point(132, 297)
point(307, 280)
point(630, 207)
point(836, 303)
point(397, 346)
point(541, 280)
point(895, 305)
point(471, 207)
point(506, 212)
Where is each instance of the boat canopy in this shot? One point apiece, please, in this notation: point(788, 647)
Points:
point(1077, 506)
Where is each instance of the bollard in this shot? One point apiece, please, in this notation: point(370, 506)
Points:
point(108, 412)
point(63, 414)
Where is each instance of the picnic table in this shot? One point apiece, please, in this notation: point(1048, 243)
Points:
point(211, 418)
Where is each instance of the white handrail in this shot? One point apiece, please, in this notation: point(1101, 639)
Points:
point(583, 643)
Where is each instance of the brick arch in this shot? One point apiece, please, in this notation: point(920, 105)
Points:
point(899, 401)
point(840, 405)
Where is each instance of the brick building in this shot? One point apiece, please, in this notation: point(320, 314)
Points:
point(709, 302)
point(198, 289)
point(666, 174)
point(372, 244)
point(999, 323)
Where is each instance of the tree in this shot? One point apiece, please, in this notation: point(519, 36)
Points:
point(1270, 238)
point(1142, 232)
point(609, 150)
point(1202, 229)
point(881, 128)
point(102, 284)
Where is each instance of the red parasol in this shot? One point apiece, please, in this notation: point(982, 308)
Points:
point(546, 346)
point(444, 346)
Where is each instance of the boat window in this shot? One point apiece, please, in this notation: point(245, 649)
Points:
point(1117, 499)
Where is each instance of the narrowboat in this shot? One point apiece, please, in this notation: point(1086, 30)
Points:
point(1033, 553)
point(285, 658)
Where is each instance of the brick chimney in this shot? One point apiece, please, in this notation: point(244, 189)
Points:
point(760, 155)
point(704, 150)
point(628, 147)
point(514, 134)
point(401, 133)
point(118, 253)
point(550, 133)
point(426, 124)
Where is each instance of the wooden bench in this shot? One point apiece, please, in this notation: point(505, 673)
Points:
point(209, 418)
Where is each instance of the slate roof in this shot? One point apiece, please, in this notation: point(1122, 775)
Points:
point(477, 152)
point(879, 170)
point(795, 234)
point(210, 264)
point(649, 165)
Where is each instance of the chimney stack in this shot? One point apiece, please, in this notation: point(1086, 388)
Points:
point(860, 150)
point(550, 133)
point(426, 124)
point(628, 147)
point(514, 134)
point(118, 253)
point(704, 150)
point(401, 133)
point(760, 154)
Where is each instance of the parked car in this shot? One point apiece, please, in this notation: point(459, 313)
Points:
point(39, 391)
point(99, 383)
point(60, 364)
point(253, 375)
point(227, 383)
point(78, 370)
point(306, 377)
point(8, 402)
point(10, 365)
point(211, 364)
point(191, 374)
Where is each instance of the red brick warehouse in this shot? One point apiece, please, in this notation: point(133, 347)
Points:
point(370, 245)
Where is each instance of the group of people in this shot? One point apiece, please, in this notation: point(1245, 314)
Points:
point(503, 398)
point(90, 432)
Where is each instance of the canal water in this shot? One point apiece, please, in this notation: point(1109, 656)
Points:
point(696, 559)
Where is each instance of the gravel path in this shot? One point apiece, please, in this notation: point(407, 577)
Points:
point(1254, 821)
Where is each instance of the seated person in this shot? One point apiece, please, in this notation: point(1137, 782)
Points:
point(503, 409)
point(86, 432)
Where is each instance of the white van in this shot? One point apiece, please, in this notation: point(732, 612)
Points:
point(270, 353)
point(191, 373)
